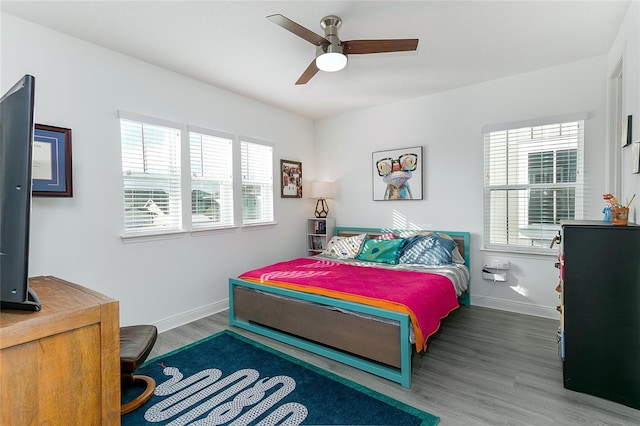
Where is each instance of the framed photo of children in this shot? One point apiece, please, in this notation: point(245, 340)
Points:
point(397, 174)
point(291, 179)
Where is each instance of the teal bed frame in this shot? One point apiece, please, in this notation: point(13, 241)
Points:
point(401, 375)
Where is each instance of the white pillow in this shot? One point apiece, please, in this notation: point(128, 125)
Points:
point(345, 247)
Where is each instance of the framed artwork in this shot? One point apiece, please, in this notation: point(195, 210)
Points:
point(397, 174)
point(51, 162)
point(626, 131)
point(290, 179)
point(635, 157)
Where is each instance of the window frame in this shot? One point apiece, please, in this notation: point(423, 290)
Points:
point(543, 232)
point(239, 192)
point(185, 187)
point(231, 211)
point(178, 223)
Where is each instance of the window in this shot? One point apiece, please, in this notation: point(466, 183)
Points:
point(161, 198)
point(151, 172)
point(256, 161)
point(211, 180)
point(533, 181)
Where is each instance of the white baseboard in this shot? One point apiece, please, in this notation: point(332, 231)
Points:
point(192, 315)
point(517, 307)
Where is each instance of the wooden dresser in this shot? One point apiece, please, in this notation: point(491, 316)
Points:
point(600, 321)
point(61, 365)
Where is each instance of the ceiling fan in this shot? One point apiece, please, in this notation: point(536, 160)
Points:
point(331, 52)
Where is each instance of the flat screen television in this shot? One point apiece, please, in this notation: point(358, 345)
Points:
point(16, 142)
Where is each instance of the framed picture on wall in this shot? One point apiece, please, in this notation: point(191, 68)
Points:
point(51, 162)
point(290, 179)
point(626, 131)
point(397, 174)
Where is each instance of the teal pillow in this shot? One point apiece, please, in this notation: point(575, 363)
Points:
point(382, 251)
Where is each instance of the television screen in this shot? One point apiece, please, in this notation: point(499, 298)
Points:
point(16, 140)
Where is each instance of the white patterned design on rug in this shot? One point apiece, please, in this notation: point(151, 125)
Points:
point(186, 394)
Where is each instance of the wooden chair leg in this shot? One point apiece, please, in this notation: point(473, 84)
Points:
point(150, 386)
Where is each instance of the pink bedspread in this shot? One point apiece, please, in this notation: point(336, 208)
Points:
point(426, 297)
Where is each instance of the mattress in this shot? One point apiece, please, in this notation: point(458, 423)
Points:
point(426, 294)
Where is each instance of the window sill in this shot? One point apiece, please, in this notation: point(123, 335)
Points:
point(521, 252)
point(155, 236)
point(171, 235)
point(252, 226)
point(208, 231)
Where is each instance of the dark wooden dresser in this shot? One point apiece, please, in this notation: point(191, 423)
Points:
point(600, 307)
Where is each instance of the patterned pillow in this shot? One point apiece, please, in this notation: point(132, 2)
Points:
point(383, 251)
point(427, 250)
point(386, 236)
point(456, 256)
point(345, 247)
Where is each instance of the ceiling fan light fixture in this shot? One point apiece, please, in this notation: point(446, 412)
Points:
point(331, 52)
point(331, 61)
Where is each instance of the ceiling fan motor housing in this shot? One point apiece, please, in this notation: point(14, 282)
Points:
point(330, 25)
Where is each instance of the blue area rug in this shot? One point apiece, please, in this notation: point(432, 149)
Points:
point(229, 379)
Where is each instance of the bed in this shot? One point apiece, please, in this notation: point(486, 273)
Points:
point(327, 304)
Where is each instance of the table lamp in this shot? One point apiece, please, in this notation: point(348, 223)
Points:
point(321, 191)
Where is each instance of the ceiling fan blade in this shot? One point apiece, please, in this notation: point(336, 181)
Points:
point(298, 30)
point(355, 47)
point(311, 70)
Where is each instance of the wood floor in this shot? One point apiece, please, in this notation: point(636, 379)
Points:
point(484, 367)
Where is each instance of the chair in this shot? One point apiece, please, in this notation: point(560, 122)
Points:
point(136, 342)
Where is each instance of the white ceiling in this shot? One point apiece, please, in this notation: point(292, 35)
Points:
point(231, 44)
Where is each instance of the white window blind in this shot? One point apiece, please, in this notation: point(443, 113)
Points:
point(151, 171)
point(533, 181)
point(256, 162)
point(211, 181)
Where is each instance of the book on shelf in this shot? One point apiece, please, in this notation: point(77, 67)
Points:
point(317, 243)
point(320, 227)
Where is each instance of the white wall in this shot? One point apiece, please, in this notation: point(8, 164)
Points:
point(448, 126)
point(82, 86)
point(627, 48)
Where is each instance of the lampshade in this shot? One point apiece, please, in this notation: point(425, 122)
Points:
point(321, 190)
point(331, 61)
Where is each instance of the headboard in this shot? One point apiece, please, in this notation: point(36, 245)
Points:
point(461, 238)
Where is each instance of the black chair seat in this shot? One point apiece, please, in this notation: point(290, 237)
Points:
point(136, 342)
